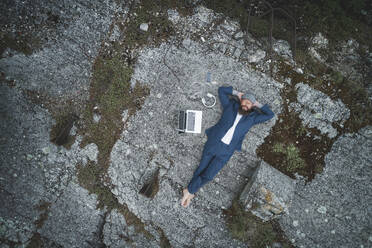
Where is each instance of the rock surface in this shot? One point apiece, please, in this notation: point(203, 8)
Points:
point(151, 141)
point(40, 195)
point(317, 110)
point(334, 209)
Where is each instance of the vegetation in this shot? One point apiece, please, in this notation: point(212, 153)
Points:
point(111, 93)
point(292, 156)
point(246, 227)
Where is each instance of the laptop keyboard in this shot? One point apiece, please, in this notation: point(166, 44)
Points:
point(190, 121)
point(182, 120)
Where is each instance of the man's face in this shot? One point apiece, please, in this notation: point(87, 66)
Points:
point(246, 104)
point(246, 107)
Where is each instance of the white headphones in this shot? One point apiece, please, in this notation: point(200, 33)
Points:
point(205, 102)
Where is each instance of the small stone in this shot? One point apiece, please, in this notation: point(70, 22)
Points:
point(15, 175)
point(158, 95)
point(96, 118)
point(46, 150)
point(303, 235)
point(333, 232)
point(295, 223)
point(322, 210)
point(144, 27)
point(162, 172)
point(29, 157)
point(217, 192)
point(307, 210)
point(299, 70)
point(277, 245)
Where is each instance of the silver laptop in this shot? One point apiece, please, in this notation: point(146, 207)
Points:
point(189, 121)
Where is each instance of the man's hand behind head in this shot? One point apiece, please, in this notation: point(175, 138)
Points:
point(240, 94)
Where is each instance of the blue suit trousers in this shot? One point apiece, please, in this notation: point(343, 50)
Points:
point(214, 157)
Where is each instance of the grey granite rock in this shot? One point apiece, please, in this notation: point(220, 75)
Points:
point(47, 177)
point(65, 62)
point(117, 233)
point(318, 42)
point(269, 193)
point(74, 217)
point(150, 141)
point(282, 48)
point(317, 110)
point(35, 171)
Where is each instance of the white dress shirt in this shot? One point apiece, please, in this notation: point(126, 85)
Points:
point(230, 133)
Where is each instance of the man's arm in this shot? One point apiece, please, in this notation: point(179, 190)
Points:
point(223, 94)
point(266, 114)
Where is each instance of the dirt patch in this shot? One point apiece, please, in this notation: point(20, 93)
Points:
point(300, 152)
point(43, 208)
point(20, 42)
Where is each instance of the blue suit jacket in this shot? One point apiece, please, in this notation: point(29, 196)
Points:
point(230, 110)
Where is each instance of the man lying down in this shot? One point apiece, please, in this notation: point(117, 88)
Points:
point(226, 136)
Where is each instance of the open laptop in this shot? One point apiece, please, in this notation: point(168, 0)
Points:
point(189, 121)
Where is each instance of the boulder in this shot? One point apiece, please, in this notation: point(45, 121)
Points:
point(268, 194)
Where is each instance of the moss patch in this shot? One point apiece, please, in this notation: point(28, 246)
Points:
point(110, 95)
point(248, 228)
point(293, 161)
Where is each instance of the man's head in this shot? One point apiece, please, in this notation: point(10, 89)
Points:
point(246, 103)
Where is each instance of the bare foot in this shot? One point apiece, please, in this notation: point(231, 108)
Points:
point(186, 198)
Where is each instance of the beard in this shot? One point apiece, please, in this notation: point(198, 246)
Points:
point(244, 112)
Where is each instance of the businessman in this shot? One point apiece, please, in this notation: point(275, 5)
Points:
point(226, 136)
